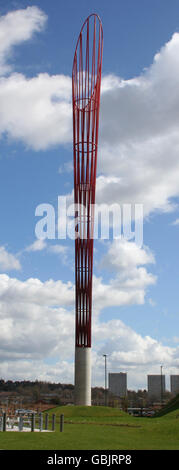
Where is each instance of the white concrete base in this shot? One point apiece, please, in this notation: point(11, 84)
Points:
point(16, 429)
point(83, 376)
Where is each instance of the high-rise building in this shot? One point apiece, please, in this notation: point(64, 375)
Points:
point(156, 386)
point(174, 384)
point(118, 384)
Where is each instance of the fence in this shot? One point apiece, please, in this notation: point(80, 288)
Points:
point(32, 422)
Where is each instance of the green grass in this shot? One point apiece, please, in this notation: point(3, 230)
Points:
point(172, 405)
point(100, 428)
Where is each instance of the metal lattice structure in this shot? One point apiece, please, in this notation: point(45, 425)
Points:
point(86, 83)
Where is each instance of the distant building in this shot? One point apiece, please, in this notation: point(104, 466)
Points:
point(118, 384)
point(174, 384)
point(156, 386)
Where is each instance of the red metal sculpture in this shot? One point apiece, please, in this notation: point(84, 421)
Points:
point(86, 83)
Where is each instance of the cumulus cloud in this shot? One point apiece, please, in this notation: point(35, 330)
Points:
point(138, 163)
point(37, 318)
point(129, 352)
point(58, 249)
point(8, 261)
point(139, 143)
point(37, 328)
point(38, 245)
point(67, 167)
point(139, 140)
point(61, 371)
point(16, 27)
point(144, 105)
point(123, 254)
point(126, 261)
point(48, 293)
point(176, 222)
point(36, 111)
point(62, 251)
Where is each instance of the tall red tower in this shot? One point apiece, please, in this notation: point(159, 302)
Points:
point(86, 84)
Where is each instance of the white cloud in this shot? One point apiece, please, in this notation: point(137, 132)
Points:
point(48, 293)
point(37, 245)
point(36, 111)
point(34, 320)
point(176, 339)
point(152, 302)
point(67, 167)
point(123, 254)
point(62, 251)
point(131, 279)
point(40, 245)
point(130, 352)
point(37, 323)
point(139, 139)
point(37, 318)
point(8, 261)
point(16, 27)
point(145, 105)
point(58, 249)
point(176, 222)
point(38, 370)
point(138, 163)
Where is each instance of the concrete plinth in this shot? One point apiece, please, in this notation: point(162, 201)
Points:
point(83, 376)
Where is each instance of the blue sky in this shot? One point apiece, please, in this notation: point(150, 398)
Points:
point(135, 290)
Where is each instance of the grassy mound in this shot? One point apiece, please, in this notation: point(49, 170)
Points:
point(171, 406)
point(99, 428)
point(88, 413)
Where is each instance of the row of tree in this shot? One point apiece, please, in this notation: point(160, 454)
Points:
point(58, 393)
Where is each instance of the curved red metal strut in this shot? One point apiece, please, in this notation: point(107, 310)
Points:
point(86, 83)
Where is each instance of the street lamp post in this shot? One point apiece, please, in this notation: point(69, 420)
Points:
point(105, 376)
point(161, 387)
